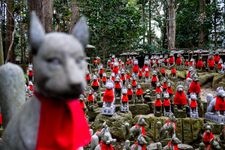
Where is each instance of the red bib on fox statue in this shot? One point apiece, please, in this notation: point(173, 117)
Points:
point(158, 103)
point(108, 95)
point(90, 97)
point(180, 98)
point(124, 98)
point(178, 60)
point(194, 87)
point(199, 64)
point(220, 104)
point(166, 102)
point(105, 146)
point(69, 121)
point(135, 68)
point(216, 58)
point(211, 63)
point(207, 138)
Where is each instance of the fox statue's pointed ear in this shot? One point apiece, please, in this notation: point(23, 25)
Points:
point(81, 31)
point(37, 33)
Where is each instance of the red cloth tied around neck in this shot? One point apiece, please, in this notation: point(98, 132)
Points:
point(207, 138)
point(216, 58)
point(143, 131)
point(180, 98)
point(135, 68)
point(62, 125)
point(220, 104)
point(211, 62)
point(170, 90)
point(193, 104)
point(178, 61)
point(195, 87)
point(158, 103)
point(106, 146)
point(108, 95)
point(199, 64)
point(124, 98)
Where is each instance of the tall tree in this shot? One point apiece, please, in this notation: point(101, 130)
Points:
point(75, 13)
point(1, 49)
point(44, 10)
point(171, 31)
point(149, 22)
point(202, 17)
point(10, 31)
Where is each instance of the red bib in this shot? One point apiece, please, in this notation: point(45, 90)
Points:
point(61, 124)
point(106, 146)
point(139, 92)
point(108, 95)
point(158, 103)
point(135, 68)
point(180, 98)
point(220, 104)
point(194, 87)
point(166, 102)
point(124, 98)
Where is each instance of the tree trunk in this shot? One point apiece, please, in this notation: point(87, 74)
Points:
point(75, 13)
point(149, 23)
point(44, 10)
point(143, 21)
point(215, 23)
point(1, 49)
point(47, 12)
point(171, 24)
point(9, 31)
point(202, 18)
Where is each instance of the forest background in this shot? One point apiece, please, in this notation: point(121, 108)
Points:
point(116, 26)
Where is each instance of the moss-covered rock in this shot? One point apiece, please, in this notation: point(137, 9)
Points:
point(187, 129)
point(139, 109)
point(115, 123)
point(181, 74)
point(93, 113)
point(205, 78)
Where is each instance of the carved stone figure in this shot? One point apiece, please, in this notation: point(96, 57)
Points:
point(216, 107)
point(59, 65)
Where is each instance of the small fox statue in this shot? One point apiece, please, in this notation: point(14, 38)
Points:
point(52, 119)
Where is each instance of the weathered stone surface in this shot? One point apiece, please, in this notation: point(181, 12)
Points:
point(181, 74)
point(179, 128)
point(217, 78)
point(216, 128)
point(93, 113)
point(12, 90)
point(115, 123)
point(196, 127)
point(185, 147)
point(204, 78)
point(187, 129)
point(139, 109)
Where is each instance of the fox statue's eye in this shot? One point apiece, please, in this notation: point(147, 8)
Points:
point(55, 61)
point(79, 60)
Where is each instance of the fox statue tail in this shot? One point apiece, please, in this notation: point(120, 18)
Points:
point(12, 90)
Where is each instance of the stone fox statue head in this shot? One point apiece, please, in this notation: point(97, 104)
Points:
point(59, 60)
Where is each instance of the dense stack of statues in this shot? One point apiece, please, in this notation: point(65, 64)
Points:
point(118, 84)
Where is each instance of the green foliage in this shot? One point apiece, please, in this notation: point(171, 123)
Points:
point(188, 23)
point(62, 15)
point(114, 25)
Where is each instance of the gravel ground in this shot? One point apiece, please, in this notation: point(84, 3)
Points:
point(206, 91)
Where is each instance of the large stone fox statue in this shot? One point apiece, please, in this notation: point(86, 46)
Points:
point(52, 119)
